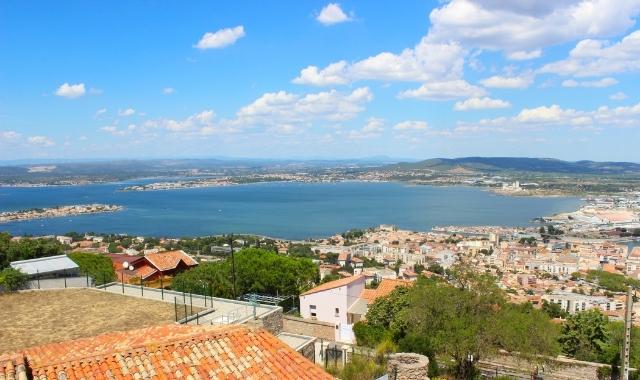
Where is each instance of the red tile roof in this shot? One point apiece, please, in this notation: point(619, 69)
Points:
point(334, 284)
point(145, 271)
point(169, 352)
point(385, 287)
point(12, 367)
point(168, 260)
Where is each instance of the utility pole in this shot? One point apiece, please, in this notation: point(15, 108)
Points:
point(627, 335)
point(233, 265)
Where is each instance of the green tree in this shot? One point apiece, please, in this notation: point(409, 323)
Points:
point(553, 309)
point(96, 266)
point(12, 280)
point(584, 335)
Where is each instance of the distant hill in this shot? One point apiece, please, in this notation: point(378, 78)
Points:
point(522, 164)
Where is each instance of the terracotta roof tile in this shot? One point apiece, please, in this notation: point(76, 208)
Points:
point(145, 271)
point(167, 352)
point(168, 260)
point(385, 287)
point(333, 284)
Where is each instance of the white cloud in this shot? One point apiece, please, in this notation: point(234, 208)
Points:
point(9, 135)
point(604, 82)
point(556, 116)
point(332, 14)
point(425, 62)
point(444, 91)
point(287, 108)
point(333, 74)
point(168, 91)
point(522, 55)
point(521, 28)
point(499, 81)
point(372, 129)
point(411, 125)
point(41, 141)
point(480, 103)
point(71, 91)
point(115, 131)
point(127, 112)
point(592, 58)
point(101, 112)
point(618, 96)
point(221, 38)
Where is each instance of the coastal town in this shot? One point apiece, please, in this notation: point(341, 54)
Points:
point(57, 212)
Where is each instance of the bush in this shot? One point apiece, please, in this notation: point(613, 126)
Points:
point(12, 280)
point(96, 266)
point(369, 335)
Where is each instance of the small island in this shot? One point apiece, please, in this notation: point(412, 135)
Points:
point(56, 212)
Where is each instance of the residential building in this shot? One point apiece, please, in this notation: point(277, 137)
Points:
point(330, 302)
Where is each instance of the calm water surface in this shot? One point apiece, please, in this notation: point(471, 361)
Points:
point(286, 210)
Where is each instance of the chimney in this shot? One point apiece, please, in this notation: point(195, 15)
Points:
point(408, 366)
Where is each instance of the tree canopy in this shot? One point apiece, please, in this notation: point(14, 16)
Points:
point(25, 249)
point(451, 322)
point(257, 270)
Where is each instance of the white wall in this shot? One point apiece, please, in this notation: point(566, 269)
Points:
point(327, 301)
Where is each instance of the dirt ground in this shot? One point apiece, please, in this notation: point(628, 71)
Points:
point(33, 318)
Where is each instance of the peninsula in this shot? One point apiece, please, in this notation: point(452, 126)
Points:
point(57, 211)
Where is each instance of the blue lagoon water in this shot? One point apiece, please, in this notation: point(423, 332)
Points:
point(285, 210)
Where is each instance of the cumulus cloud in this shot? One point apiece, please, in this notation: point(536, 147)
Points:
point(168, 91)
point(287, 108)
point(481, 103)
point(221, 38)
point(71, 91)
point(604, 82)
point(443, 91)
point(499, 81)
point(557, 117)
point(41, 141)
point(425, 62)
point(373, 128)
point(126, 112)
point(618, 96)
point(521, 28)
point(411, 125)
point(332, 14)
point(593, 58)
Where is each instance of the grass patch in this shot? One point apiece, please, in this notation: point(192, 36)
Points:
point(38, 317)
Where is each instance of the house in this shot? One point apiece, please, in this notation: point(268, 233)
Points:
point(574, 302)
point(357, 262)
point(329, 303)
point(409, 275)
point(164, 352)
point(64, 240)
point(152, 266)
point(343, 259)
point(47, 267)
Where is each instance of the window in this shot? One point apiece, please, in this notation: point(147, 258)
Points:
point(312, 307)
point(313, 315)
point(337, 312)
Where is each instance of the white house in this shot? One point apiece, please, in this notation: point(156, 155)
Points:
point(330, 302)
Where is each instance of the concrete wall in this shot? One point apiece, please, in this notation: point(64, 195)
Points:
point(319, 329)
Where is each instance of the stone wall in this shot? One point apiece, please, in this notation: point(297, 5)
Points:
point(408, 366)
point(555, 369)
point(301, 326)
point(272, 321)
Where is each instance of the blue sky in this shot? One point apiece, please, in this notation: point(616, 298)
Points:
point(299, 79)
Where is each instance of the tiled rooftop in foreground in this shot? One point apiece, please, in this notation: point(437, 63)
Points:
point(163, 352)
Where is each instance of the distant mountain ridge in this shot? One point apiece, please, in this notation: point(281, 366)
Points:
point(522, 164)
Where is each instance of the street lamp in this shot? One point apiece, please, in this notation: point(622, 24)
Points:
point(233, 264)
point(125, 266)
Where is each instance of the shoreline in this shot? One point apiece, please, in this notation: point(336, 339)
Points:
point(57, 212)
